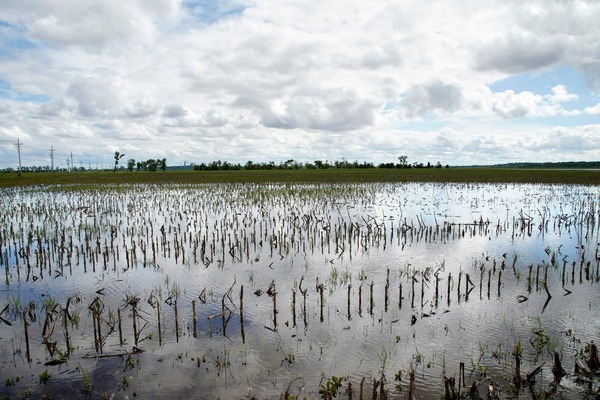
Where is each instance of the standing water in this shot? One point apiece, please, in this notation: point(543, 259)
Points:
point(320, 291)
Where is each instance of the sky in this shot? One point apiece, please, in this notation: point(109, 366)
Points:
point(458, 82)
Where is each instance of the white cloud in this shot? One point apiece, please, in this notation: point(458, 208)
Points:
point(262, 80)
point(517, 53)
point(595, 110)
point(433, 97)
point(509, 104)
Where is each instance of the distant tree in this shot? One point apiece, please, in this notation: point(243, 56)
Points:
point(163, 164)
point(118, 156)
point(438, 165)
point(386, 165)
point(151, 165)
point(130, 164)
point(402, 160)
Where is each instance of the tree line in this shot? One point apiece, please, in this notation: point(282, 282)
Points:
point(148, 165)
point(160, 164)
point(317, 164)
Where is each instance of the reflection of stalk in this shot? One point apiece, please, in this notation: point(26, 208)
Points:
point(303, 291)
point(272, 292)
point(489, 283)
point(360, 299)
point(177, 321)
point(294, 307)
point(517, 375)
point(120, 328)
point(412, 295)
point(437, 282)
point(499, 281)
point(400, 296)
point(411, 381)
point(481, 284)
point(242, 314)
point(66, 325)
point(96, 308)
point(468, 287)
point(375, 386)
point(135, 331)
point(349, 287)
point(458, 286)
point(362, 384)
point(371, 299)
point(95, 329)
point(194, 313)
point(98, 325)
point(159, 327)
point(422, 291)
point(321, 287)
point(25, 325)
point(387, 287)
point(449, 283)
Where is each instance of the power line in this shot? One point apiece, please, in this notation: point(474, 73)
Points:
point(52, 158)
point(18, 146)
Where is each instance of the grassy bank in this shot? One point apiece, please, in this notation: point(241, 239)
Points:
point(491, 175)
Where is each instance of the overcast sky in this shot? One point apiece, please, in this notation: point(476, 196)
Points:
point(460, 82)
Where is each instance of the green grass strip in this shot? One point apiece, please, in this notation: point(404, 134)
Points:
point(466, 175)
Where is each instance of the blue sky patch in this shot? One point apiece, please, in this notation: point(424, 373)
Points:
point(542, 84)
point(6, 92)
point(210, 11)
point(13, 37)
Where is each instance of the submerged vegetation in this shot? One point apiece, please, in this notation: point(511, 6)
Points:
point(300, 290)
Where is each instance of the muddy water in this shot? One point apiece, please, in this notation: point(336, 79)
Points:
point(352, 281)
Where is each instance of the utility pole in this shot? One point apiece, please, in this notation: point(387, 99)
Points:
point(18, 146)
point(72, 165)
point(52, 158)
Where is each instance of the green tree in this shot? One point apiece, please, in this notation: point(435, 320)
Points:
point(151, 165)
point(130, 164)
point(402, 161)
point(118, 156)
point(163, 164)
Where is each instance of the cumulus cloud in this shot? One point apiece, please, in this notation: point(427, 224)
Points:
point(337, 113)
point(561, 95)
point(174, 111)
point(595, 110)
point(432, 97)
point(509, 104)
point(264, 80)
point(518, 53)
point(96, 97)
point(141, 107)
point(94, 26)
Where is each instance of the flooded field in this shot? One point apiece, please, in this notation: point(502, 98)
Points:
point(276, 291)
